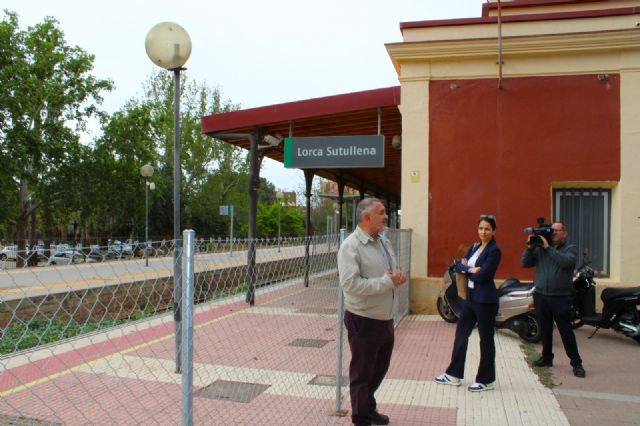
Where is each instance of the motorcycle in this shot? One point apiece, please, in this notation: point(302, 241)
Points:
point(515, 312)
point(619, 310)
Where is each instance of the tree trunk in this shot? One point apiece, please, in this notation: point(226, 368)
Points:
point(21, 223)
point(33, 255)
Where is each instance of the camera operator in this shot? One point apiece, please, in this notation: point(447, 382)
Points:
point(554, 265)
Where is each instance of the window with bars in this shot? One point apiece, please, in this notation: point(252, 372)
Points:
point(586, 214)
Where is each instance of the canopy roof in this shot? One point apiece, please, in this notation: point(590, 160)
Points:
point(341, 115)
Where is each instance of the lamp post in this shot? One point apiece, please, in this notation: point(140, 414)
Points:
point(146, 172)
point(279, 196)
point(168, 45)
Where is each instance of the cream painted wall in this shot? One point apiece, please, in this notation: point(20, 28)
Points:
point(513, 29)
point(414, 108)
point(627, 243)
point(585, 53)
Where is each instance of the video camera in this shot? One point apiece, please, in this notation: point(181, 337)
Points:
point(543, 230)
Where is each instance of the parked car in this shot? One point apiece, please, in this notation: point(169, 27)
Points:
point(96, 254)
point(67, 258)
point(9, 252)
point(39, 249)
point(118, 249)
point(61, 248)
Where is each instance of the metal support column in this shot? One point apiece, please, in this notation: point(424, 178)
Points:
point(308, 179)
point(177, 242)
point(340, 340)
point(254, 184)
point(188, 261)
point(341, 185)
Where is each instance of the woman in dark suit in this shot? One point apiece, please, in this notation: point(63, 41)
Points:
point(480, 265)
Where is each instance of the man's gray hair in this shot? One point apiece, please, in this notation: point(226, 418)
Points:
point(365, 206)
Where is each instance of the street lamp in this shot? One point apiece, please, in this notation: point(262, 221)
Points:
point(279, 196)
point(168, 45)
point(146, 172)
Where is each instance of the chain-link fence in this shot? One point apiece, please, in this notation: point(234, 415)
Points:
point(92, 340)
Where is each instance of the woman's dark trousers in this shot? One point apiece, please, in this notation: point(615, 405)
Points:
point(484, 314)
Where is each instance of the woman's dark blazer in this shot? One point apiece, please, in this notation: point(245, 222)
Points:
point(484, 290)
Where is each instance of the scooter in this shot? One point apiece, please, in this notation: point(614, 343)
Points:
point(620, 305)
point(516, 310)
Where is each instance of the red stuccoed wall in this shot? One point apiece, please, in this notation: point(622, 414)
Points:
point(498, 151)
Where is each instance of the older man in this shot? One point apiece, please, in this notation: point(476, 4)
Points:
point(369, 276)
point(555, 261)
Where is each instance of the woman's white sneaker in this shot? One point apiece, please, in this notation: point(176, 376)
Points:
point(480, 387)
point(445, 379)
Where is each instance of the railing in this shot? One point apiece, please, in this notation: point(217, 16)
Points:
point(92, 342)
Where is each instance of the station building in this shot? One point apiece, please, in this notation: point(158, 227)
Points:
point(530, 110)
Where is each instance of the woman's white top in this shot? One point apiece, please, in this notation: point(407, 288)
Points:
point(472, 263)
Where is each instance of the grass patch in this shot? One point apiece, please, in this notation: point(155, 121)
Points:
point(543, 373)
point(35, 333)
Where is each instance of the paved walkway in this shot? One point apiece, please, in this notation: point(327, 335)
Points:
point(610, 394)
point(272, 364)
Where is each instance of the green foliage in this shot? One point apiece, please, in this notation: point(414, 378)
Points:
point(544, 373)
point(291, 220)
point(35, 333)
point(47, 94)
point(213, 172)
point(49, 178)
point(23, 336)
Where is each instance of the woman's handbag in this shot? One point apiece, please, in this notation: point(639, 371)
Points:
point(461, 284)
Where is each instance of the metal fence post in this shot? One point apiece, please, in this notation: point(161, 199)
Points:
point(187, 325)
point(339, 349)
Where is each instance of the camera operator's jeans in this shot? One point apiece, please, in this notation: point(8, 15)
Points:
point(548, 309)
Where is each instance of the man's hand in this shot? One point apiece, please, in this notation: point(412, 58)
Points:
point(529, 245)
point(397, 278)
point(545, 243)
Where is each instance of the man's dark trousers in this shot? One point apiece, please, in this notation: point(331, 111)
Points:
point(371, 343)
point(549, 308)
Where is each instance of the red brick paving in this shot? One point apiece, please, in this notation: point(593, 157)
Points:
point(256, 338)
point(611, 361)
point(419, 354)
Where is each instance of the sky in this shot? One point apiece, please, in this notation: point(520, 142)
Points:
point(257, 52)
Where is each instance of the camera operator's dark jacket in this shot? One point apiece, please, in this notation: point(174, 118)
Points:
point(554, 268)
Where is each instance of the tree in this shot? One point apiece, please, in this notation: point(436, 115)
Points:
point(142, 132)
point(113, 172)
point(47, 96)
point(274, 212)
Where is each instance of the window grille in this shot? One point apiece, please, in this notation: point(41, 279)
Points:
point(586, 214)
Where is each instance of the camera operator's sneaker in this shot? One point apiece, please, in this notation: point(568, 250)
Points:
point(480, 387)
point(445, 379)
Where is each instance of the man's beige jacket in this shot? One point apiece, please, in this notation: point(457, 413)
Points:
point(362, 266)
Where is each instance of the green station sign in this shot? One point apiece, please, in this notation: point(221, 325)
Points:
point(334, 152)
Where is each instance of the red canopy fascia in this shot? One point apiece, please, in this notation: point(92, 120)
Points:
point(248, 118)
